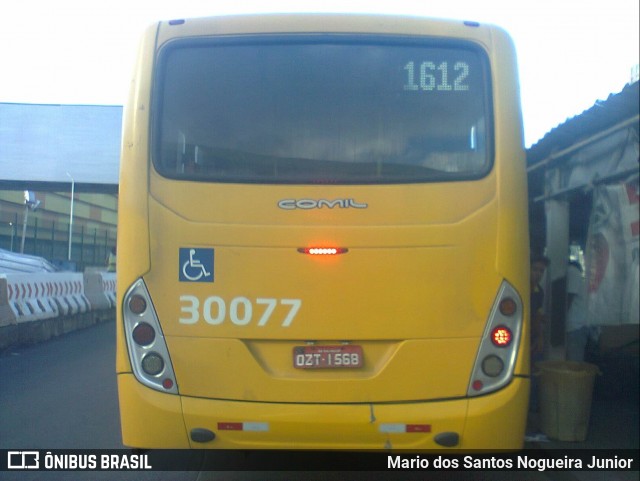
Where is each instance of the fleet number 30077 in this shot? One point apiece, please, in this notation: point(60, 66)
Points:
point(240, 311)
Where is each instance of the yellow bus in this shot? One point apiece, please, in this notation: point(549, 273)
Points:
point(323, 236)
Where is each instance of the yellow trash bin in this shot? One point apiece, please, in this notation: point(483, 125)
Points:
point(565, 389)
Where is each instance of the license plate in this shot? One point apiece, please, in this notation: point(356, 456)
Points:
point(327, 357)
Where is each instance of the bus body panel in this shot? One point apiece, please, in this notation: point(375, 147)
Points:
point(346, 298)
point(327, 426)
point(415, 289)
point(397, 205)
point(486, 413)
point(393, 371)
point(159, 413)
point(133, 200)
point(353, 287)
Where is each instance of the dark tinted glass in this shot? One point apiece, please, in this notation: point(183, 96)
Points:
point(330, 110)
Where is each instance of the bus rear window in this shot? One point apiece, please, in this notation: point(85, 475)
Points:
point(321, 110)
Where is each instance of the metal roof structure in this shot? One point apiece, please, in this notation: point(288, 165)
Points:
point(584, 144)
point(603, 115)
point(44, 147)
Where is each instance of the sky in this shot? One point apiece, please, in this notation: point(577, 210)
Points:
point(571, 53)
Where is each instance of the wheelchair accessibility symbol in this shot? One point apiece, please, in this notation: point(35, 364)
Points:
point(196, 265)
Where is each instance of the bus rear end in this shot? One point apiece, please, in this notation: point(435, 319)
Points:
point(323, 237)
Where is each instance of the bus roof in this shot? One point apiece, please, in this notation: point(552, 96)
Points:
point(325, 23)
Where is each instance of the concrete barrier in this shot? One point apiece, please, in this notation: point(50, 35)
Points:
point(29, 297)
point(109, 286)
point(37, 306)
point(100, 289)
point(68, 292)
point(7, 316)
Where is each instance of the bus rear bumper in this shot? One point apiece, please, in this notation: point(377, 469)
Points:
point(155, 420)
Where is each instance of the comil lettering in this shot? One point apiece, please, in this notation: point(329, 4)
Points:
point(306, 204)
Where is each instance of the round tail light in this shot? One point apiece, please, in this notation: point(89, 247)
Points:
point(137, 304)
point(143, 334)
point(152, 364)
point(492, 366)
point(508, 307)
point(501, 336)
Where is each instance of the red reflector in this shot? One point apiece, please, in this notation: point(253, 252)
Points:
point(501, 336)
point(418, 428)
point(230, 426)
point(323, 251)
point(477, 385)
point(167, 383)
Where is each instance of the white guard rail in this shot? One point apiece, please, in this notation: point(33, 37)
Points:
point(36, 296)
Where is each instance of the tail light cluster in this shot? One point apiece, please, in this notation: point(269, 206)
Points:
point(496, 358)
point(147, 348)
